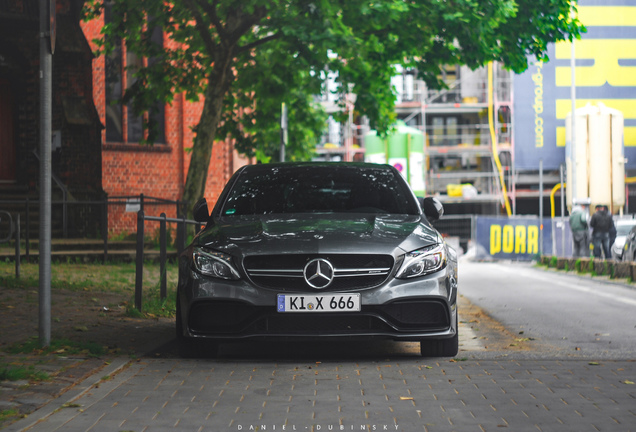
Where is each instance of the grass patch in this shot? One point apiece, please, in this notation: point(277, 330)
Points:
point(60, 347)
point(152, 305)
point(8, 414)
point(16, 373)
point(111, 277)
point(118, 278)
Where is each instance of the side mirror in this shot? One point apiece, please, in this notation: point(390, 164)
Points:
point(432, 207)
point(200, 211)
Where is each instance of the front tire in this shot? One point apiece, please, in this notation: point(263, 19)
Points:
point(441, 347)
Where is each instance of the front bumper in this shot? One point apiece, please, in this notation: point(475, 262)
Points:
point(405, 310)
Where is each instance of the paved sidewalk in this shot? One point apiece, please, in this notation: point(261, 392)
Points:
point(412, 394)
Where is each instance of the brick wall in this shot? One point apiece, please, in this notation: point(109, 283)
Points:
point(160, 170)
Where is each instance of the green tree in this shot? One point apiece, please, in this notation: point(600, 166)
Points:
point(246, 57)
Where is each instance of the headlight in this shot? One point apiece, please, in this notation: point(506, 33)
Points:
point(423, 261)
point(215, 264)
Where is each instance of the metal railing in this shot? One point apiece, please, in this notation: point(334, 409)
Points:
point(88, 219)
point(181, 222)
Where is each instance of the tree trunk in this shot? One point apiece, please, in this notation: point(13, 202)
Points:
point(219, 84)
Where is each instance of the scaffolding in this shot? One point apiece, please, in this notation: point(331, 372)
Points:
point(459, 149)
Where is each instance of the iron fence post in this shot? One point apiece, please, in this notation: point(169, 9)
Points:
point(139, 272)
point(185, 233)
point(179, 235)
point(162, 257)
point(17, 246)
point(26, 226)
point(105, 225)
point(64, 216)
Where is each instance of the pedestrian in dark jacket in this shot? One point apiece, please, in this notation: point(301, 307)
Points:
point(612, 232)
point(601, 224)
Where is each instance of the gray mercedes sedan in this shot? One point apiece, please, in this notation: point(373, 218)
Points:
point(301, 251)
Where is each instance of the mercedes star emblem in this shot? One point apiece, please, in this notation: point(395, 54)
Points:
point(319, 273)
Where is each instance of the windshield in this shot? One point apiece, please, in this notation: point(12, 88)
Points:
point(322, 188)
point(623, 229)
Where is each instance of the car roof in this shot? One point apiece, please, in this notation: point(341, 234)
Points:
point(626, 222)
point(279, 165)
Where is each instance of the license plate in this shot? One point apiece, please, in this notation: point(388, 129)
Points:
point(319, 303)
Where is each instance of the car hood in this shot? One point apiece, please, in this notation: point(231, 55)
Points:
point(318, 233)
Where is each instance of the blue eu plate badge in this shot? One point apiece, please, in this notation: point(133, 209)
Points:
point(281, 303)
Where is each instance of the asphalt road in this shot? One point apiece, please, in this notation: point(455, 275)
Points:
point(563, 314)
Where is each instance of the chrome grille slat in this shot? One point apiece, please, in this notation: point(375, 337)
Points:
point(284, 271)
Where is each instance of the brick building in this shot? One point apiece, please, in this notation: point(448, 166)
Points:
point(76, 153)
point(96, 150)
point(129, 168)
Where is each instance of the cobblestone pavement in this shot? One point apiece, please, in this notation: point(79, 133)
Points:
point(410, 394)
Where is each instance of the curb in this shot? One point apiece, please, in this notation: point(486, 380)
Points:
point(604, 279)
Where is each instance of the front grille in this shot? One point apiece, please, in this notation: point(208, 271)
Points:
point(227, 317)
point(285, 272)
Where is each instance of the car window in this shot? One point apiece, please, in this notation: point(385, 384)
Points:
point(309, 189)
point(623, 229)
